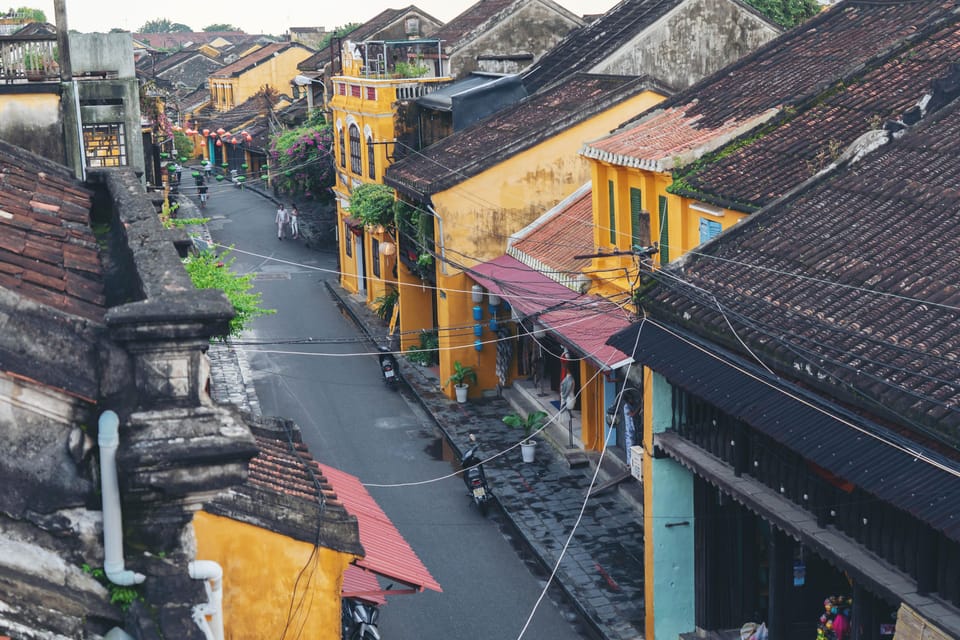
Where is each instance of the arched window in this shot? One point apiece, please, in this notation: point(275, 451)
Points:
point(371, 159)
point(355, 165)
point(343, 149)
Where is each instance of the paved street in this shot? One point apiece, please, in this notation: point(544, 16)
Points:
point(351, 421)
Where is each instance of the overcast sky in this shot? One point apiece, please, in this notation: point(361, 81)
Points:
point(262, 16)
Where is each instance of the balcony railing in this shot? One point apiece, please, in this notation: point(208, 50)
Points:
point(28, 59)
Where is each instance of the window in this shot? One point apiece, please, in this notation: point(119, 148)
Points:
point(613, 212)
point(347, 240)
point(105, 145)
point(355, 90)
point(375, 250)
point(664, 231)
point(355, 165)
point(709, 229)
point(342, 88)
point(639, 220)
point(371, 159)
point(343, 147)
point(371, 93)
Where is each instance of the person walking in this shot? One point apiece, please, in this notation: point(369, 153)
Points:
point(294, 222)
point(282, 219)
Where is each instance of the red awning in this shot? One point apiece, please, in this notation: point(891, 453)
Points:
point(362, 585)
point(387, 553)
point(585, 322)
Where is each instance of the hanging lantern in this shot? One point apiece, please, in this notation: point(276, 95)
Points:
point(177, 127)
point(234, 141)
point(478, 345)
point(247, 136)
point(219, 143)
point(244, 133)
point(206, 133)
point(478, 313)
point(494, 299)
point(388, 248)
point(221, 131)
point(476, 293)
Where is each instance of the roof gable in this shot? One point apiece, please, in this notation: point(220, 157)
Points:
point(788, 70)
point(255, 58)
point(475, 15)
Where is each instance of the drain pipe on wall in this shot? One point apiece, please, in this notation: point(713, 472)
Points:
point(108, 439)
point(443, 250)
point(212, 575)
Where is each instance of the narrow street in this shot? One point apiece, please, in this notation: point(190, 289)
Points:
point(351, 421)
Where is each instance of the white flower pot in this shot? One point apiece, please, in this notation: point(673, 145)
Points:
point(528, 449)
point(461, 390)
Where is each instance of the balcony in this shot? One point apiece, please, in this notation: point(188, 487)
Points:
point(28, 59)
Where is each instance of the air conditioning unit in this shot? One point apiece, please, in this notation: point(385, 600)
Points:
point(636, 462)
point(413, 26)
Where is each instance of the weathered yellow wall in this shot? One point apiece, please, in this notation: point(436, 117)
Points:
point(277, 71)
point(259, 572)
point(480, 213)
point(32, 121)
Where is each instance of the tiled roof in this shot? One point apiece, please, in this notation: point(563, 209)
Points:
point(48, 252)
point(475, 15)
point(788, 70)
point(851, 286)
point(508, 132)
point(756, 174)
point(178, 39)
point(291, 470)
point(551, 242)
point(584, 47)
point(253, 59)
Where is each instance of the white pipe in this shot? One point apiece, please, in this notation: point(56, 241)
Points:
point(443, 251)
point(212, 575)
point(109, 439)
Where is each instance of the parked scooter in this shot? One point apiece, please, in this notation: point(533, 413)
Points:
point(388, 367)
point(358, 619)
point(475, 478)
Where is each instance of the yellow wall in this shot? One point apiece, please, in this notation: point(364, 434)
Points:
point(480, 213)
point(259, 571)
point(277, 71)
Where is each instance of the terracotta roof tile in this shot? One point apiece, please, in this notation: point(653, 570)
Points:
point(48, 252)
point(475, 15)
point(790, 69)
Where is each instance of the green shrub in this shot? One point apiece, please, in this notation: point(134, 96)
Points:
point(210, 271)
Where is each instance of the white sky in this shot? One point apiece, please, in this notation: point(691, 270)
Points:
point(255, 16)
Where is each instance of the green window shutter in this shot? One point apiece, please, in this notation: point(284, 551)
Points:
point(664, 231)
point(639, 220)
point(613, 213)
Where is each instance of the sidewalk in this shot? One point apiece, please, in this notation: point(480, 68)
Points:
point(602, 568)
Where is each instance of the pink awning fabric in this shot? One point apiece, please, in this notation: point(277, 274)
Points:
point(387, 553)
point(585, 322)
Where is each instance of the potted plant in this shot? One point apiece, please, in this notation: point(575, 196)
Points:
point(529, 423)
point(459, 378)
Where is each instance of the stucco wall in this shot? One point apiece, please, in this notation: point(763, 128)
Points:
point(691, 42)
point(535, 29)
point(260, 569)
point(102, 52)
point(32, 121)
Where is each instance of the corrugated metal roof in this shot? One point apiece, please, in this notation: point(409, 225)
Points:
point(387, 553)
point(886, 464)
point(583, 321)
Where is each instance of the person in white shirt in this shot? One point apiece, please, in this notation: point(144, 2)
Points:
point(282, 219)
point(294, 222)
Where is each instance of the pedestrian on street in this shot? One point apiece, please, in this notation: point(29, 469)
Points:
point(294, 222)
point(282, 219)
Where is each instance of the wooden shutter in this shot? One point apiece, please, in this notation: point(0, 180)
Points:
point(664, 231)
point(639, 220)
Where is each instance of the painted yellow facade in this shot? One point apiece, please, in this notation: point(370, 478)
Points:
point(277, 71)
point(363, 109)
point(261, 570)
point(481, 212)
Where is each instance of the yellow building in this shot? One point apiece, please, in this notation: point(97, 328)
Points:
point(364, 114)
point(488, 181)
point(274, 65)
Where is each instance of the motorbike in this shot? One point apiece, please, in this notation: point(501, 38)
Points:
point(358, 619)
point(475, 478)
point(388, 367)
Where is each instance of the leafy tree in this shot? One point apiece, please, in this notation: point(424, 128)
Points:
point(786, 13)
point(182, 144)
point(338, 32)
point(372, 203)
point(302, 160)
point(210, 271)
point(27, 13)
point(223, 26)
point(163, 25)
point(118, 30)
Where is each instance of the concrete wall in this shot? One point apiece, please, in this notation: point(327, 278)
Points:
point(92, 52)
point(32, 121)
point(535, 28)
point(695, 39)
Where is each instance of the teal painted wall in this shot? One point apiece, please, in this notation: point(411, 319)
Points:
point(673, 546)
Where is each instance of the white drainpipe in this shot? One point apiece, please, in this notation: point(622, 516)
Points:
point(212, 575)
point(109, 439)
point(443, 251)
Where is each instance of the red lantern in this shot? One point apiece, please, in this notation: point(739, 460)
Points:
point(177, 127)
point(221, 131)
point(244, 133)
point(206, 133)
point(219, 144)
point(247, 136)
point(234, 141)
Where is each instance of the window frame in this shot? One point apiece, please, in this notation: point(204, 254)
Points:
point(356, 164)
